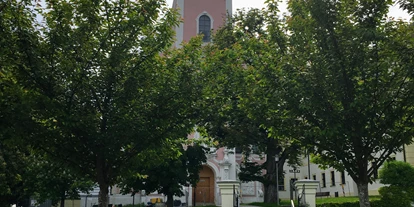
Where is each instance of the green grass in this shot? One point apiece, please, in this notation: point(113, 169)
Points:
point(210, 206)
point(282, 203)
point(318, 201)
point(343, 199)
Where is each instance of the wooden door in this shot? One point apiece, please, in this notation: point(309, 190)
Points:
point(203, 190)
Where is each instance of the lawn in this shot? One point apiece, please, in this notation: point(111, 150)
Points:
point(343, 199)
point(282, 203)
point(318, 201)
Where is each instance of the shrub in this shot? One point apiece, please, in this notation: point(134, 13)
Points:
point(396, 196)
point(374, 203)
point(400, 177)
point(378, 203)
point(397, 173)
point(346, 204)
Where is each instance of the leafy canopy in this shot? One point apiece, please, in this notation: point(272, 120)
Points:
point(97, 90)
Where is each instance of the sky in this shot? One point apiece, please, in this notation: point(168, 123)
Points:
point(238, 4)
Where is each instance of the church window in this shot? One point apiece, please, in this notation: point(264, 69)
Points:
point(204, 27)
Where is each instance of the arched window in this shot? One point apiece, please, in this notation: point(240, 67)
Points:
point(204, 27)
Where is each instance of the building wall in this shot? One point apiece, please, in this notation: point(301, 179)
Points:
point(179, 30)
point(72, 203)
point(409, 154)
point(347, 189)
point(191, 10)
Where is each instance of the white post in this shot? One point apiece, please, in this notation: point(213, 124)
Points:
point(309, 188)
point(227, 192)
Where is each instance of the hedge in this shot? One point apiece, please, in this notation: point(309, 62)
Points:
point(375, 203)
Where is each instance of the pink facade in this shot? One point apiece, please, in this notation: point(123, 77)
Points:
point(193, 9)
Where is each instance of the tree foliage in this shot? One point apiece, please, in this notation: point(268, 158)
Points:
point(168, 176)
point(351, 68)
point(54, 180)
point(25, 175)
point(13, 183)
point(98, 91)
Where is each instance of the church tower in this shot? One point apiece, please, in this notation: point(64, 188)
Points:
point(200, 16)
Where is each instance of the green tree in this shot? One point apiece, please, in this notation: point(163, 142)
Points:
point(244, 100)
point(99, 92)
point(351, 70)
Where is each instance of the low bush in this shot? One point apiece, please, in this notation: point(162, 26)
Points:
point(135, 205)
point(397, 196)
point(374, 203)
point(330, 202)
point(400, 176)
point(346, 204)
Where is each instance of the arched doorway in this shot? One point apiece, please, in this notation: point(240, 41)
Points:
point(203, 193)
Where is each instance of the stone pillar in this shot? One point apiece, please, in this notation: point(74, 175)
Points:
point(227, 192)
point(309, 188)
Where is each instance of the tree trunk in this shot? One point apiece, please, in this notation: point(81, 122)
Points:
point(170, 200)
point(270, 193)
point(102, 175)
point(62, 200)
point(103, 195)
point(363, 195)
point(270, 189)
